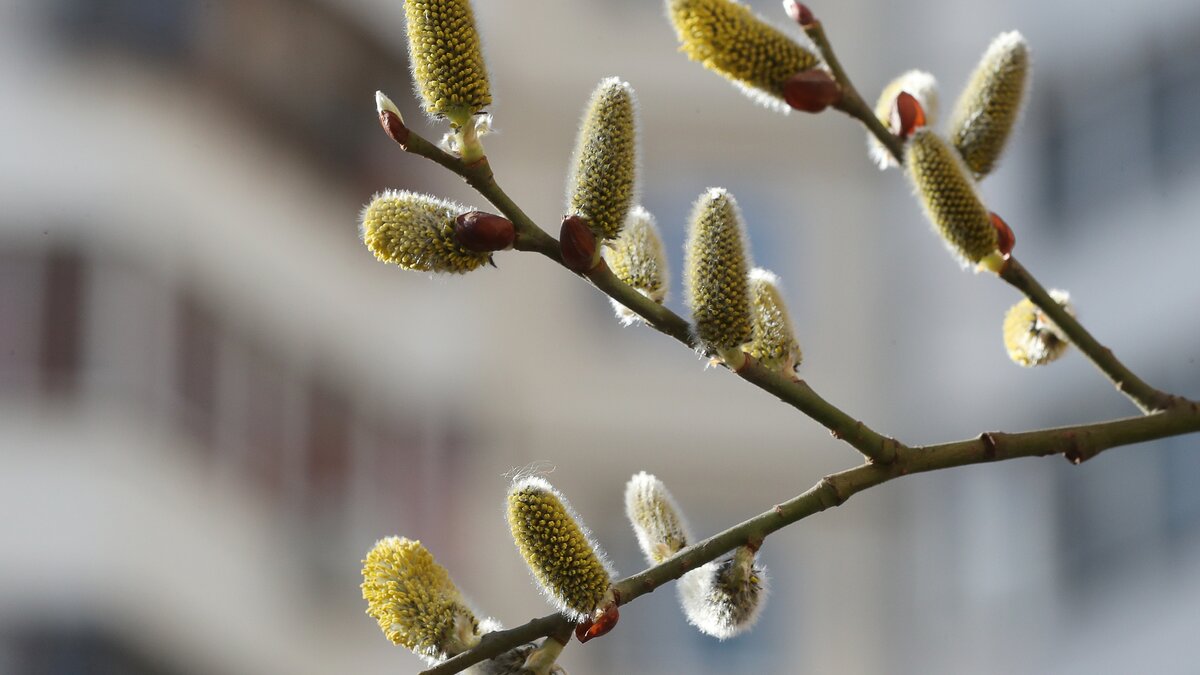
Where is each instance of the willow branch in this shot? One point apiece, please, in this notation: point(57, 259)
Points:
point(1145, 397)
point(1076, 443)
point(531, 237)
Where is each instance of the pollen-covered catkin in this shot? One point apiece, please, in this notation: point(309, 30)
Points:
point(416, 232)
point(559, 551)
point(732, 41)
point(724, 598)
point(637, 258)
point(716, 269)
point(656, 519)
point(1030, 337)
point(603, 183)
point(774, 342)
point(988, 108)
point(447, 61)
point(415, 602)
point(921, 86)
point(949, 197)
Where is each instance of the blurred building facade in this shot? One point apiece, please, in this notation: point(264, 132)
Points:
point(214, 400)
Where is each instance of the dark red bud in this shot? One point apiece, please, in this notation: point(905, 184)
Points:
point(907, 115)
point(588, 628)
point(1004, 235)
point(484, 232)
point(394, 126)
point(811, 91)
point(799, 12)
point(578, 245)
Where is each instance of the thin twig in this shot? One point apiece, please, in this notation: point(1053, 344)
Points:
point(1078, 443)
point(1145, 397)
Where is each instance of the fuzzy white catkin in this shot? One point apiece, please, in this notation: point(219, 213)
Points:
point(718, 605)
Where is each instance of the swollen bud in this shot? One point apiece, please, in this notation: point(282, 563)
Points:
point(811, 91)
point(415, 602)
point(906, 104)
point(390, 119)
point(1030, 337)
point(577, 245)
point(725, 597)
point(799, 12)
point(951, 203)
point(568, 566)
point(603, 183)
point(447, 61)
point(774, 344)
point(417, 232)
point(717, 266)
point(484, 232)
point(988, 108)
point(636, 257)
point(656, 519)
point(732, 41)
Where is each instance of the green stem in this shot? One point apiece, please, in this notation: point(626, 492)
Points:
point(1145, 397)
point(530, 237)
point(1077, 443)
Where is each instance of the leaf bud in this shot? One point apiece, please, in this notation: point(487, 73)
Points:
point(906, 104)
point(811, 91)
point(577, 245)
point(484, 232)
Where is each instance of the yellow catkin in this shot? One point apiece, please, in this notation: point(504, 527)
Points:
point(731, 40)
point(656, 519)
point(916, 83)
point(948, 195)
point(988, 108)
point(1030, 337)
point(716, 269)
point(447, 61)
point(559, 551)
point(416, 232)
point(415, 602)
point(603, 183)
point(774, 342)
point(637, 258)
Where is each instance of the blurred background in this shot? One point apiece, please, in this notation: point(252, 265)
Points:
point(213, 400)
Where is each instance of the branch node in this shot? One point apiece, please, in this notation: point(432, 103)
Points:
point(989, 446)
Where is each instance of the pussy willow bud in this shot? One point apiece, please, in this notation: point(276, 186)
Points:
point(725, 597)
point(774, 342)
point(484, 232)
point(656, 518)
point(390, 119)
point(415, 602)
point(731, 40)
point(951, 203)
point(603, 183)
point(577, 245)
point(569, 567)
point(717, 266)
point(922, 87)
point(811, 91)
point(1030, 337)
point(447, 61)
point(988, 108)
point(636, 257)
point(799, 12)
point(416, 232)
